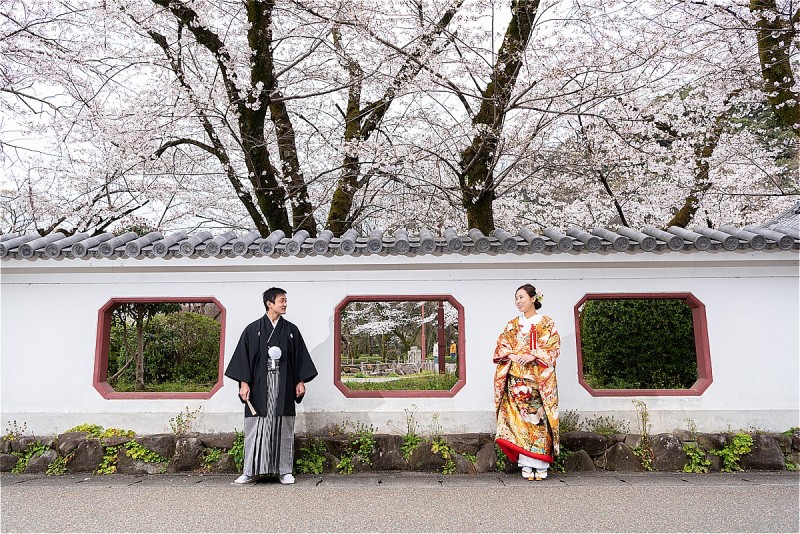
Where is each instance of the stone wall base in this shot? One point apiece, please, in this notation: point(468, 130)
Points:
point(452, 453)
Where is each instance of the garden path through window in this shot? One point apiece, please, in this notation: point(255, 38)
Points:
point(399, 346)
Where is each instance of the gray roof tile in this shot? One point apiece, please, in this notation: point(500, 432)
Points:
point(776, 235)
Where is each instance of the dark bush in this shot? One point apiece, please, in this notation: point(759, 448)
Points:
point(180, 348)
point(638, 344)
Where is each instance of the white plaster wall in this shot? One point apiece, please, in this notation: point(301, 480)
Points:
point(49, 320)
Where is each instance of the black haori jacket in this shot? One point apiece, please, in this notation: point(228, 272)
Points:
point(250, 360)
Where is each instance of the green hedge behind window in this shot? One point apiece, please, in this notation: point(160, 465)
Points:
point(638, 344)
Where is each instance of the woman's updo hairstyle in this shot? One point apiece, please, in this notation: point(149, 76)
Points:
point(531, 291)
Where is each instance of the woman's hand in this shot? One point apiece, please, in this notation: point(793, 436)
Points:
point(522, 359)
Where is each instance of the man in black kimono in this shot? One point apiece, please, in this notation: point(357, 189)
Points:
point(272, 365)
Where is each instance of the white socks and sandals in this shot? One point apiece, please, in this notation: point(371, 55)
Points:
point(533, 469)
point(534, 474)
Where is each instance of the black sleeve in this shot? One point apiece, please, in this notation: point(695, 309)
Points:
point(306, 370)
point(239, 367)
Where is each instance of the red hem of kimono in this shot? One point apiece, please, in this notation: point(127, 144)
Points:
point(513, 452)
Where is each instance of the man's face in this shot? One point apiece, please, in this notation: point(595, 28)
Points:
point(279, 306)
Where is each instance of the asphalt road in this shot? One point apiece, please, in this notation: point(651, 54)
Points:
point(404, 502)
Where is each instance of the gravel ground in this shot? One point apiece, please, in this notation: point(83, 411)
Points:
point(404, 502)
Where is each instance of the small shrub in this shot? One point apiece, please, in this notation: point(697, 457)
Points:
point(411, 439)
point(59, 466)
point(34, 449)
point(345, 465)
point(360, 448)
point(558, 461)
point(644, 451)
point(138, 452)
point(364, 444)
point(237, 450)
point(697, 462)
point(108, 465)
point(182, 423)
point(440, 446)
point(740, 444)
point(311, 458)
point(14, 431)
point(92, 430)
point(791, 467)
point(606, 426)
point(569, 421)
point(116, 432)
point(501, 458)
point(410, 444)
point(97, 431)
point(210, 455)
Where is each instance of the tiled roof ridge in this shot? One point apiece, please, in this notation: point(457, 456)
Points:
point(400, 242)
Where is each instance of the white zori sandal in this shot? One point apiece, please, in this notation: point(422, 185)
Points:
point(527, 472)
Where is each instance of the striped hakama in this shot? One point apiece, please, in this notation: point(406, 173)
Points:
point(269, 440)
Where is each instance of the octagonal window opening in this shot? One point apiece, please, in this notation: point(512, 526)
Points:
point(642, 344)
point(160, 348)
point(399, 346)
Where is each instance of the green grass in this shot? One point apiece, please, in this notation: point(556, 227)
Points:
point(428, 381)
point(164, 386)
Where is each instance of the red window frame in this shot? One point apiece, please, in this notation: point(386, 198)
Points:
point(337, 349)
point(100, 380)
point(700, 324)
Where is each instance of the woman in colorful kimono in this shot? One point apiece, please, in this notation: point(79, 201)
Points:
point(525, 389)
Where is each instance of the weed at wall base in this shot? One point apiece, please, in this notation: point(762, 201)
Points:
point(311, 459)
point(360, 448)
point(34, 449)
point(740, 444)
point(697, 462)
point(237, 450)
point(440, 446)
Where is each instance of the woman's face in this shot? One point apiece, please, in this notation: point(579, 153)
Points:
point(524, 302)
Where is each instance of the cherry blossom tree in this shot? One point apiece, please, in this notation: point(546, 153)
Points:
point(312, 114)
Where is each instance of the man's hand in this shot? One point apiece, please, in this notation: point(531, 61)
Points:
point(299, 390)
point(244, 391)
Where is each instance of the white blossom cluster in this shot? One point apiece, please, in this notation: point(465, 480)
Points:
point(117, 114)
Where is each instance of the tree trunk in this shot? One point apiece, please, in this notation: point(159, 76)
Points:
point(774, 35)
point(339, 220)
point(302, 210)
point(252, 108)
point(477, 161)
point(270, 194)
point(702, 182)
point(362, 122)
point(480, 212)
point(139, 312)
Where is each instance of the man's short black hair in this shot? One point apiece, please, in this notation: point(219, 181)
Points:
point(271, 294)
